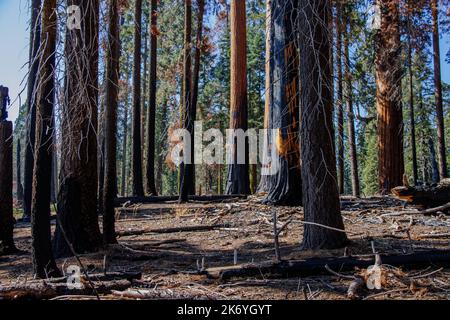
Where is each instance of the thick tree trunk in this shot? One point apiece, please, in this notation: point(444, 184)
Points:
point(187, 169)
point(77, 203)
point(320, 189)
point(6, 199)
point(44, 265)
point(438, 92)
point(111, 105)
point(35, 34)
point(238, 174)
point(340, 100)
point(151, 116)
point(19, 186)
point(389, 95)
point(286, 187)
point(136, 163)
point(350, 114)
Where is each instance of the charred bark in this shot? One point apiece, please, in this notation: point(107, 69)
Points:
point(286, 187)
point(320, 189)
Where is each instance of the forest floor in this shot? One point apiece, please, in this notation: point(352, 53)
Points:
point(168, 261)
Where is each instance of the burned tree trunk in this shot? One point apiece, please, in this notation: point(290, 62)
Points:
point(111, 105)
point(188, 115)
point(136, 162)
point(350, 113)
point(285, 188)
point(320, 189)
point(19, 187)
point(6, 200)
point(151, 112)
point(44, 265)
point(77, 203)
point(238, 173)
point(35, 34)
point(389, 105)
point(442, 148)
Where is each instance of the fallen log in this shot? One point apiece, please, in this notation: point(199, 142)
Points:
point(44, 290)
point(118, 202)
point(316, 266)
point(198, 228)
point(425, 196)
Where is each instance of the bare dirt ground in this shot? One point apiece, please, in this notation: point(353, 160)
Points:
point(169, 261)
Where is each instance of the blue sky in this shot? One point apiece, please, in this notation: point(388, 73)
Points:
point(14, 16)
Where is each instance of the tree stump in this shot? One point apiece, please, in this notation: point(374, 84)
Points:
point(6, 182)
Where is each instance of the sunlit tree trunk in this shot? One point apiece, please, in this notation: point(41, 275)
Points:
point(389, 95)
point(238, 174)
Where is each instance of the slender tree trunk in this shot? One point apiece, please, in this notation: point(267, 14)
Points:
point(411, 104)
point(19, 187)
point(138, 187)
point(320, 190)
point(196, 71)
point(123, 187)
point(286, 187)
point(6, 184)
point(101, 151)
point(340, 100)
point(144, 109)
point(42, 256)
point(151, 116)
point(389, 105)
point(54, 184)
point(35, 34)
point(350, 113)
point(187, 169)
point(438, 92)
point(111, 99)
point(77, 203)
point(238, 174)
point(266, 180)
point(434, 162)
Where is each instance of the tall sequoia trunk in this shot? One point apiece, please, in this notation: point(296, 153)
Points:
point(77, 203)
point(438, 92)
point(411, 104)
point(19, 187)
point(6, 183)
point(238, 174)
point(136, 161)
point(42, 256)
point(389, 95)
point(187, 169)
point(151, 112)
point(266, 180)
point(340, 100)
point(111, 105)
point(320, 189)
point(286, 187)
point(350, 113)
point(35, 35)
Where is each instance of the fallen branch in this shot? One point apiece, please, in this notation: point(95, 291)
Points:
point(161, 199)
point(173, 230)
point(316, 266)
